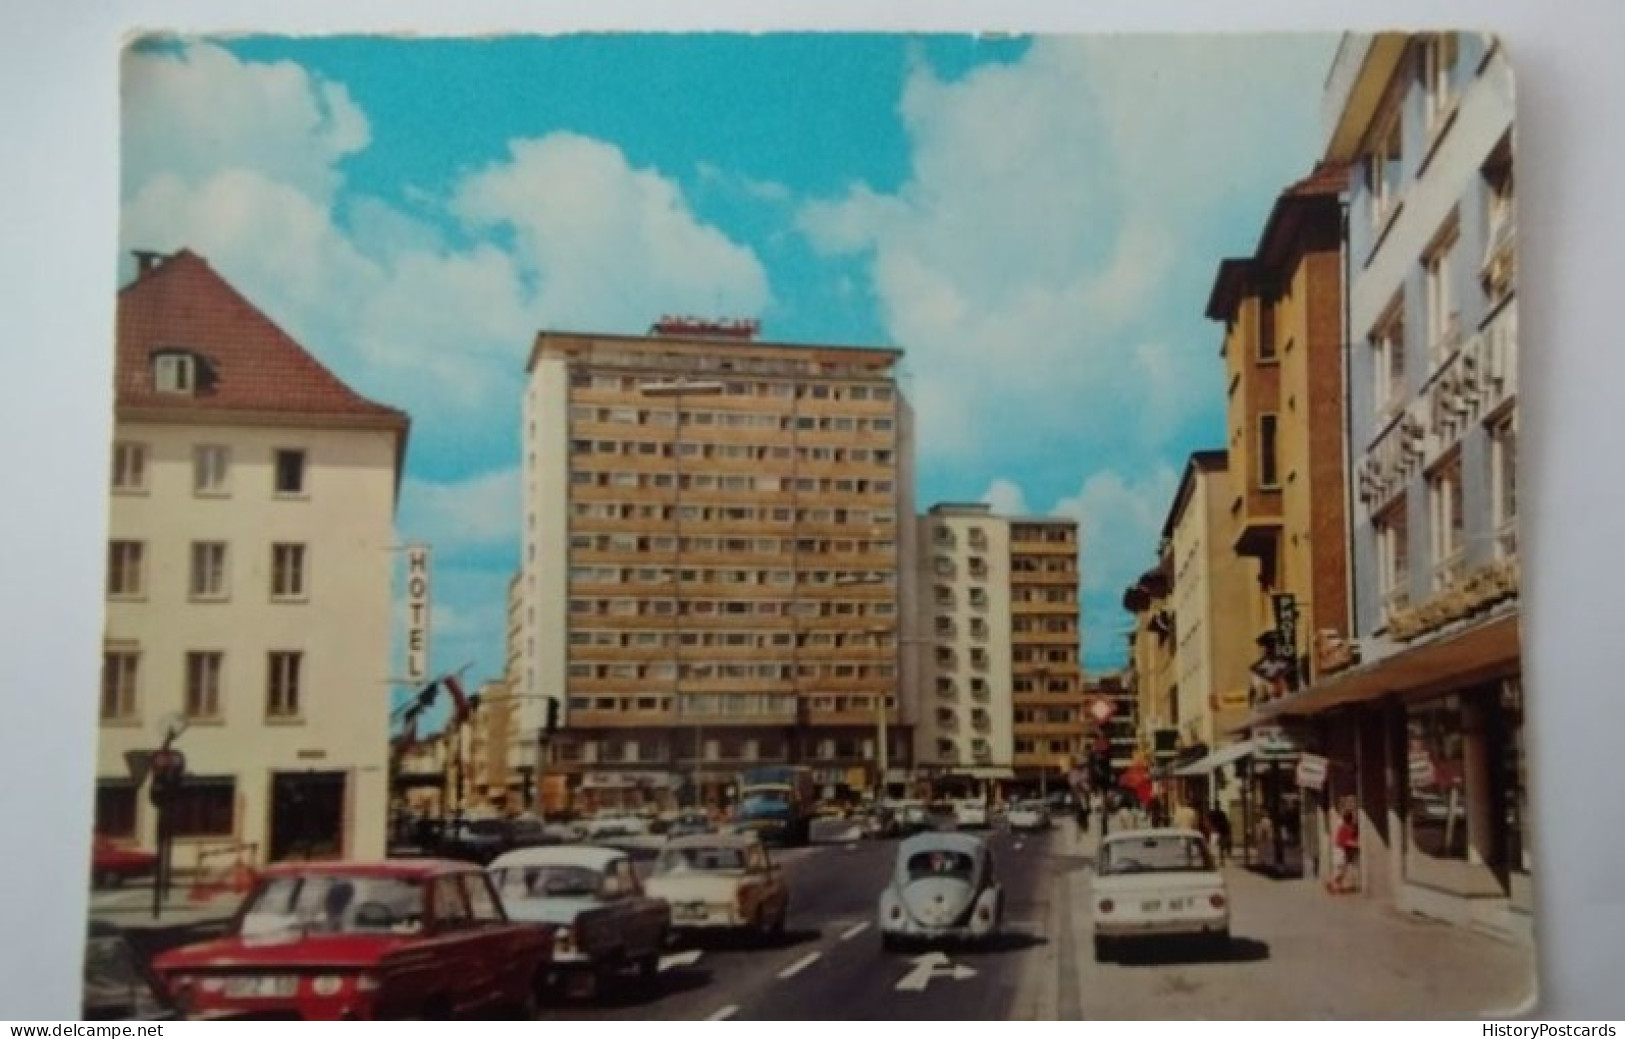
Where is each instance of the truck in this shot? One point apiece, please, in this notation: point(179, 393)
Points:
point(777, 802)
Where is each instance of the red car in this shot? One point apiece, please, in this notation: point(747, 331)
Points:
point(112, 862)
point(410, 938)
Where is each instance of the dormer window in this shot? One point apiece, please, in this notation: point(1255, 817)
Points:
point(174, 371)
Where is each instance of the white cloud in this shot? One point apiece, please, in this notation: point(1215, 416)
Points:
point(1119, 524)
point(1026, 264)
point(481, 511)
point(615, 247)
point(1006, 498)
point(197, 111)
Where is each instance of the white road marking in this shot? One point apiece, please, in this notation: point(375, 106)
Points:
point(725, 1013)
point(854, 931)
point(933, 965)
point(686, 958)
point(799, 966)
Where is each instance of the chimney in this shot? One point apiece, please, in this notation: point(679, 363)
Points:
point(146, 260)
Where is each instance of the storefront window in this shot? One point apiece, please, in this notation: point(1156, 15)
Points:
point(1436, 759)
point(1516, 777)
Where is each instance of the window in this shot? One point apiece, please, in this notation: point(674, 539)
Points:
point(129, 467)
point(290, 472)
point(204, 806)
point(1436, 71)
point(1443, 317)
point(203, 685)
point(287, 571)
point(282, 685)
point(120, 678)
point(1268, 461)
point(1499, 271)
point(480, 899)
point(174, 372)
point(209, 466)
point(208, 570)
point(1388, 362)
point(1382, 172)
point(1446, 523)
point(1504, 485)
point(1393, 556)
point(125, 570)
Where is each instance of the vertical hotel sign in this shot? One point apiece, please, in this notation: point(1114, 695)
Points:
point(417, 613)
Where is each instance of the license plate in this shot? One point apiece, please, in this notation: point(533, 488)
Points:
point(261, 988)
point(689, 912)
point(1151, 905)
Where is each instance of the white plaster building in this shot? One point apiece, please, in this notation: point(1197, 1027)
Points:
point(249, 578)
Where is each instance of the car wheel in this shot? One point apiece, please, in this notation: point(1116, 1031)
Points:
point(1103, 949)
point(649, 968)
point(891, 942)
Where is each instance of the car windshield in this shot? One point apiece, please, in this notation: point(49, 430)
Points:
point(691, 860)
point(323, 904)
point(941, 863)
point(1155, 855)
point(765, 801)
point(546, 881)
point(487, 828)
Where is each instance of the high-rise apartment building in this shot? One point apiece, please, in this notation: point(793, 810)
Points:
point(1045, 649)
point(711, 578)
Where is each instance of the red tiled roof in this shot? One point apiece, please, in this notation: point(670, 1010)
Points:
point(248, 364)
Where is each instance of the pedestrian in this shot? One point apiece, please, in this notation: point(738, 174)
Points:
point(1346, 852)
point(1219, 823)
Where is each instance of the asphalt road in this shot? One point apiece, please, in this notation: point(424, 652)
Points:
point(830, 966)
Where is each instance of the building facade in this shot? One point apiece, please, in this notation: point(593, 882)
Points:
point(249, 580)
point(1425, 707)
point(964, 729)
point(1045, 648)
point(714, 536)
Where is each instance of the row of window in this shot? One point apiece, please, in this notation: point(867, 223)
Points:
point(1045, 715)
point(1054, 596)
point(621, 479)
point(593, 510)
point(734, 704)
point(1045, 565)
point(617, 575)
point(202, 693)
point(1061, 746)
point(946, 598)
point(211, 470)
point(1446, 520)
point(606, 752)
point(635, 607)
point(670, 545)
point(689, 449)
point(772, 672)
point(207, 574)
point(726, 639)
point(584, 379)
point(944, 537)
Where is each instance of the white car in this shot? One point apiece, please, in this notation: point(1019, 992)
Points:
point(614, 823)
point(721, 882)
point(943, 888)
point(970, 815)
point(1029, 816)
point(1155, 884)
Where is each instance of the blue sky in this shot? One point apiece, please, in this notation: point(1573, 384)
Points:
point(1036, 221)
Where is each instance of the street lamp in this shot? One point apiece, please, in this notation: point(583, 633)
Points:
point(678, 389)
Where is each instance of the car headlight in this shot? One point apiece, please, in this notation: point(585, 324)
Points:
point(327, 985)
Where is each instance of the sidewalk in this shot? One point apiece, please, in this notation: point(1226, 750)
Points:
point(1299, 953)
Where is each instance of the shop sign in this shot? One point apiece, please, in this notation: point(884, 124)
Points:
point(1312, 771)
point(1100, 709)
point(417, 613)
point(1273, 743)
point(1286, 623)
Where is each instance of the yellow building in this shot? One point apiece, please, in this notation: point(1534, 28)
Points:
point(1047, 680)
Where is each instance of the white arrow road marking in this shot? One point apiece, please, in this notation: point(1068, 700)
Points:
point(725, 1013)
point(933, 965)
point(854, 931)
point(799, 966)
point(681, 959)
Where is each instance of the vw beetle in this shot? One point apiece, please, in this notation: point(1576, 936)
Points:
point(942, 889)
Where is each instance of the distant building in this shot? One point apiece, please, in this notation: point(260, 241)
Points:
point(715, 531)
point(249, 578)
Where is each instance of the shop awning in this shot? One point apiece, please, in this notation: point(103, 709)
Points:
point(1418, 669)
point(991, 772)
point(1217, 759)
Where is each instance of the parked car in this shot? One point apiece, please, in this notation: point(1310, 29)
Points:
point(879, 822)
point(689, 822)
point(721, 882)
point(112, 862)
point(407, 938)
point(1155, 884)
point(1028, 817)
point(942, 887)
point(912, 818)
point(941, 816)
point(605, 922)
point(118, 987)
point(970, 815)
point(615, 823)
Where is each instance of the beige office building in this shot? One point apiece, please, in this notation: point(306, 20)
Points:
point(712, 533)
point(1045, 648)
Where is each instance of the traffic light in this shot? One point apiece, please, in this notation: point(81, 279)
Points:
point(552, 716)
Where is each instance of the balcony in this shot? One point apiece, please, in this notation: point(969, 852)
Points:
point(1450, 570)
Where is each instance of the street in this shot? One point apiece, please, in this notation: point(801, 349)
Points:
point(1296, 954)
point(830, 965)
